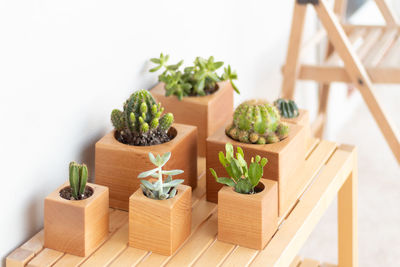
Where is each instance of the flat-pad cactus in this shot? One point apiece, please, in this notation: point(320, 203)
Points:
point(140, 122)
point(257, 122)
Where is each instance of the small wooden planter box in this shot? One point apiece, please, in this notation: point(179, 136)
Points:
point(283, 159)
point(207, 113)
point(76, 226)
point(248, 220)
point(160, 226)
point(118, 165)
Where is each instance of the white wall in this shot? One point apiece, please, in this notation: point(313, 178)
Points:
point(64, 65)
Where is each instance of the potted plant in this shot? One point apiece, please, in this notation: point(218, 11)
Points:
point(291, 113)
point(257, 127)
point(160, 210)
point(76, 214)
point(197, 95)
point(140, 128)
point(247, 204)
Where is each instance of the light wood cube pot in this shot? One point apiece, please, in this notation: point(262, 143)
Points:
point(160, 226)
point(207, 113)
point(118, 165)
point(283, 157)
point(76, 226)
point(303, 119)
point(248, 220)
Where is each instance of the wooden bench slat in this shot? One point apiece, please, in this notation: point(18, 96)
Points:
point(129, 257)
point(241, 256)
point(35, 244)
point(46, 257)
point(196, 244)
point(110, 249)
point(215, 254)
point(19, 257)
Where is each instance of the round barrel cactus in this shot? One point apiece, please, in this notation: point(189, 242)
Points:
point(140, 122)
point(257, 122)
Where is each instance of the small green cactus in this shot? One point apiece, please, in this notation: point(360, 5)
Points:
point(160, 189)
point(78, 176)
point(257, 122)
point(242, 178)
point(141, 118)
point(287, 108)
point(197, 80)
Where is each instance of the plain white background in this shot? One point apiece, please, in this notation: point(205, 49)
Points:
point(64, 65)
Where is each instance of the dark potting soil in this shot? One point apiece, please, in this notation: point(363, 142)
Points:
point(66, 193)
point(151, 138)
point(207, 90)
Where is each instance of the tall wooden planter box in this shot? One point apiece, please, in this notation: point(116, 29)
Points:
point(207, 113)
point(160, 226)
point(283, 157)
point(118, 165)
point(76, 226)
point(248, 220)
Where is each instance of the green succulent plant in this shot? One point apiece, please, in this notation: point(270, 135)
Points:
point(141, 118)
point(197, 80)
point(160, 189)
point(78, 176)
point(242, 178)
point(287, 108)
point(257, 122)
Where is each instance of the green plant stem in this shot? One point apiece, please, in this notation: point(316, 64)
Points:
point(160, 188)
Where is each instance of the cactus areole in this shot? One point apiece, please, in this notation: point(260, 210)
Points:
point(141, 122)
point(257, 122)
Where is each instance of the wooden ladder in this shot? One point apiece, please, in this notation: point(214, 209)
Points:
point(357, 54)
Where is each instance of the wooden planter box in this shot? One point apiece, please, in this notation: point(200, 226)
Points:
point(303, 119)
point(248, 220)
point(76, 226)
point(118, 165)
point(283, 157)
point(160, 226)
point(207, 113)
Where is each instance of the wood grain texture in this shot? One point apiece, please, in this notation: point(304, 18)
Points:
point(118, 165)
point(19, 257)
point(160, 226)
point(36, 243)
point(283, 157)
point(207, 113)
point(238, 226)
point(47, 257)
point(76, 227)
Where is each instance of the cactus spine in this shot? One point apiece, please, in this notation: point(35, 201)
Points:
point(257, 122)
point(141, 116)
point(287, 108)
point(78, 176)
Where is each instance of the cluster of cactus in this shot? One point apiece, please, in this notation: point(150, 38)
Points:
point(197, 80)
point(141, 116)
point(287, 108)
point(257, 122)
point(78, 176)
point(160, 189)
point(242, 178)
